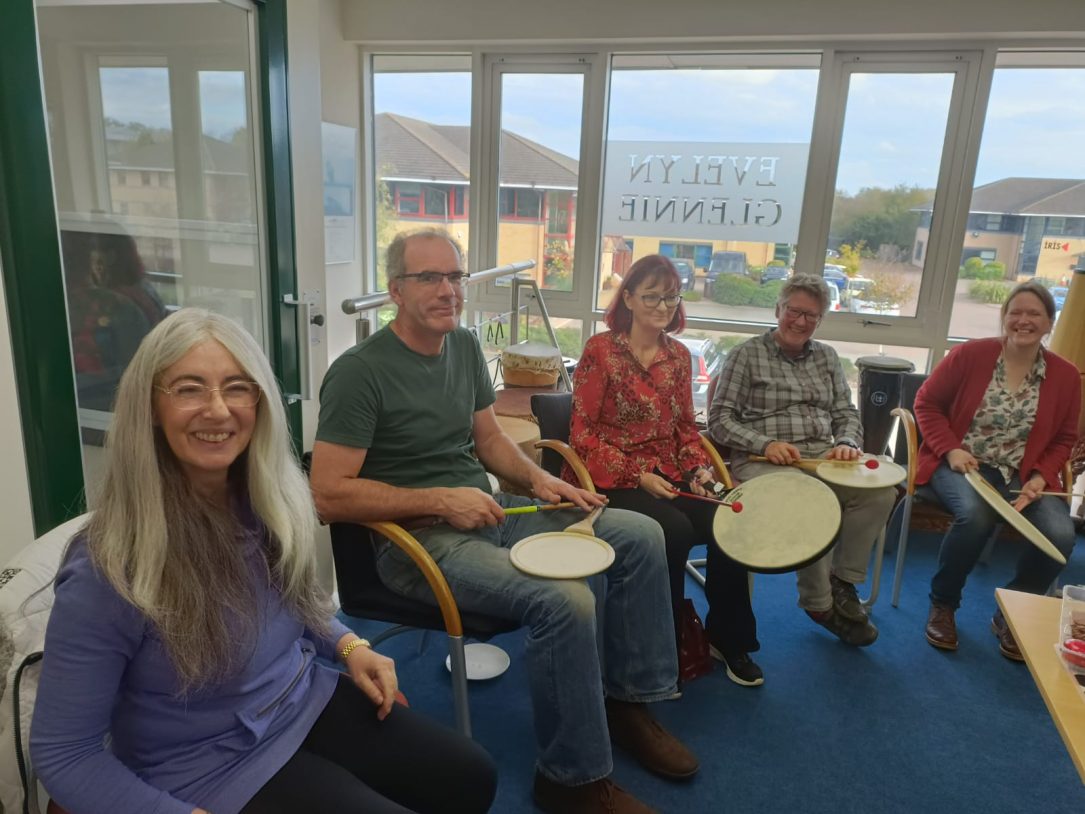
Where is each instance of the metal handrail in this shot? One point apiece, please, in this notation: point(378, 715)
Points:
point(367, 302)
point(370, 302)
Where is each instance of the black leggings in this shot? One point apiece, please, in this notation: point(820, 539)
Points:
point(351, 763)
point(730, 623)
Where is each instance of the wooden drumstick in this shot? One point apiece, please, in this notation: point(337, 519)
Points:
point(546, 507)
point(735, 507)
point(814, 463)
point(1053, 494)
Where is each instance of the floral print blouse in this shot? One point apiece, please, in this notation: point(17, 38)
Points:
point(627, 419)
point(1002, 424)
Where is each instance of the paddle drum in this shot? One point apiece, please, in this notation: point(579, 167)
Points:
point(786, 520)
point(1008, 513)
point(861, 475)
point(530, 364)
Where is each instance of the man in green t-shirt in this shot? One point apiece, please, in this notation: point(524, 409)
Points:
point(407, 431)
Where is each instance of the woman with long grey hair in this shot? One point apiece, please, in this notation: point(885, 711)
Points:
point(188, 621)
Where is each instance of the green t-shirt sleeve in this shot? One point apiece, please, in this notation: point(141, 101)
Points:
point(484, 386)
point(350, 403)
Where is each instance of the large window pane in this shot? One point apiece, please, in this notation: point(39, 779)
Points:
point(538, 172)
point(155, 178)
point(1027, 215)
point(707, 165)
point(422, 151)
point(890, 156)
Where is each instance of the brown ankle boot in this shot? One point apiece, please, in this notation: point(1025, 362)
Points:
point(633, 728)
point(598, 797)
point(942, 626)
point(1007, 645)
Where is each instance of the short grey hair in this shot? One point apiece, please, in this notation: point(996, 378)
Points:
point(395, 263)
point(806, 284)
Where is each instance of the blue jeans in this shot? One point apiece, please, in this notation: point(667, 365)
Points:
point(973, 523)
point(567, 673)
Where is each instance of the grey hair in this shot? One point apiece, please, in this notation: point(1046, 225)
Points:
point(395, 263)
point(1031, 287)
point(806, 284)
point(172, 554)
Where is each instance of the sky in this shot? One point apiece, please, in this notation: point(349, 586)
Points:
point(893, 131)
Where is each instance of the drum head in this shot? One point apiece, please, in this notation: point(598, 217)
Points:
point(860, 476)
point(1008, 513)
point(562, 555)
point(787, 521)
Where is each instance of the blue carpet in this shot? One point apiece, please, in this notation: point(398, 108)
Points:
point(896, 727)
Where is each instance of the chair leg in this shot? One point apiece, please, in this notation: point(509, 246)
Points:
point(876, 577)
point(902, 545)
point(693, 569)
point(459, 684)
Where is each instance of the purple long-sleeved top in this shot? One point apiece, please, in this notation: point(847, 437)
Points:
point(105, 672)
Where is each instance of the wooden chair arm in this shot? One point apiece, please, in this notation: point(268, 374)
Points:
point(430, 570)
point(907, 423)
point(1068, 482)
point(717, 461)
point(571, 458)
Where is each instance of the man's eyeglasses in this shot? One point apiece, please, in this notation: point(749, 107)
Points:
point(455, 278)
point(798, 313)
point(653, 300)
point(193, 396)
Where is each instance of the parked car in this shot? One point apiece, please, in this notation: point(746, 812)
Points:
point(834, 298)
point(685, 272)
point(727, 263)
point(774, 273)
point(705, 362)
point(835, 276)
point(858, 302)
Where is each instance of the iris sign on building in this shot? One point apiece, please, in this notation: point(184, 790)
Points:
point(703, 190)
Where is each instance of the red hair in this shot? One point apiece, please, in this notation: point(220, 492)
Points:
point(649, 270)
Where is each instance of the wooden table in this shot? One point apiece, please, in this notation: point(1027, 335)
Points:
point(1034, 621)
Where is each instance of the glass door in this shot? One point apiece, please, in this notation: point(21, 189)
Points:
point(153, 123)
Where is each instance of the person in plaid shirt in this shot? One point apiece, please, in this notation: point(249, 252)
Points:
point(783, 395)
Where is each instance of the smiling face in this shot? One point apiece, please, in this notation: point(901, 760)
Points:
point(425, 309)
point(651, 318)
point(1026, 321)
point(206, 440)
point(796, 321)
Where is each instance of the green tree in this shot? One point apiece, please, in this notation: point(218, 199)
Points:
point(850, 257)
point(385, 224)
point(879, 217)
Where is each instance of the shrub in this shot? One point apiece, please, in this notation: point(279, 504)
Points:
point(766, 295)
point(734, 289)
point(691, 296)
point(973, 267)
point(989, 291)
point(994, 271)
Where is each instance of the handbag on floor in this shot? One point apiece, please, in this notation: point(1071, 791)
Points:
point(693, 658)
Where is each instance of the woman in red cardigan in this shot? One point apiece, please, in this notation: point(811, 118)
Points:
point(1008, 408)
point(632, 424)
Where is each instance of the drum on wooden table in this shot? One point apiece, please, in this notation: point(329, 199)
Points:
point(530, 364)
point(1017, 520)
point(778, 522)
point(869, 472)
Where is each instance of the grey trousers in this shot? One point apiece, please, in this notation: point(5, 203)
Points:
point(864, 513)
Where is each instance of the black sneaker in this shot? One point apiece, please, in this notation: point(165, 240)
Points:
point(857, 634)
point(846, 600)
point(741, 669)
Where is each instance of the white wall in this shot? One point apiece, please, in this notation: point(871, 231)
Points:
point(454, 21)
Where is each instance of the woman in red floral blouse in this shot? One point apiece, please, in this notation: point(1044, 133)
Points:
point(633, 426)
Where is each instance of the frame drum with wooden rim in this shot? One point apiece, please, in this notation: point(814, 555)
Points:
point(562, 555)
point(786, 520)
point(1008, 513)
point(860, 476)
